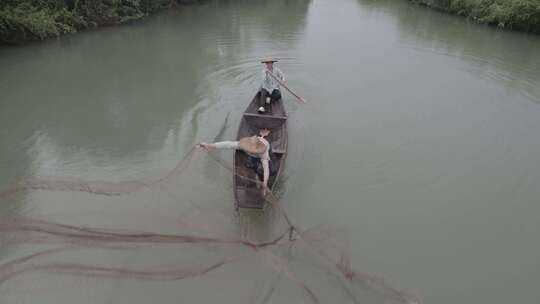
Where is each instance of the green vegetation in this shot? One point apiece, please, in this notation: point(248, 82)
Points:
point(23, 20)
point(523, 15)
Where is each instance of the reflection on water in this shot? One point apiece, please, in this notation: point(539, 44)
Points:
point(508, 57)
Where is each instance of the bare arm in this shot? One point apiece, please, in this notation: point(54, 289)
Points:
point(204, 145)
point(266, 172)
point(218, 145)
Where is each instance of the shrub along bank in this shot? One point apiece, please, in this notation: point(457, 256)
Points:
point(523, 15)
point(24, 20)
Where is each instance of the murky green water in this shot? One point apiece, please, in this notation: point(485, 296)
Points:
point(420, 138)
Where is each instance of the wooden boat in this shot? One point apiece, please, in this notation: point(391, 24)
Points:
point(246, 192)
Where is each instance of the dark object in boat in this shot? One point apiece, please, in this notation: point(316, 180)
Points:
point(246, 192)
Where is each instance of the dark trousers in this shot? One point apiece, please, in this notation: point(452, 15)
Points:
point(254, 163)
point(274, 96)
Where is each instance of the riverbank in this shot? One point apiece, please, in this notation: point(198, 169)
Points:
point(521, 15)
point(28, 20)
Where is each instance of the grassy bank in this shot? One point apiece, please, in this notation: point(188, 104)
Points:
point(26, 20)
point(523, 15)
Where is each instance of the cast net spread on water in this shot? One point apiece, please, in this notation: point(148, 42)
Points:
point(283, 262)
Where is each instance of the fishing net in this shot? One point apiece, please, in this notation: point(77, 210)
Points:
point(259, 257)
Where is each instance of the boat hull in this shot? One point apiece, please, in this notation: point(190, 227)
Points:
point(246, 191)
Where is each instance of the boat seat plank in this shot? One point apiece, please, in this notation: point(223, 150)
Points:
point(265, 116)
point(256, 121)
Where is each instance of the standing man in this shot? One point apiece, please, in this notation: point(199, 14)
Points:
point(257, 149)
point(270, 86)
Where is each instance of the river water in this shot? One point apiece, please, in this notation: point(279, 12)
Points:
point(419, 140)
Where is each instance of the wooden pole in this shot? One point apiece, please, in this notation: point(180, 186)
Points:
point(300, 98)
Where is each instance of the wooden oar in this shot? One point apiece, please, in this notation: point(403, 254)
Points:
point(300, 98)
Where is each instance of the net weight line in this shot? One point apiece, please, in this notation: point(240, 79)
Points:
point(32, 231)
point(343, 265)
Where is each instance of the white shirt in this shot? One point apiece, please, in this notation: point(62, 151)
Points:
point(268, 82)
point(234, 145)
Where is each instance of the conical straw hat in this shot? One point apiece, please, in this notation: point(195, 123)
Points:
point(268, 59)
point(252, 145)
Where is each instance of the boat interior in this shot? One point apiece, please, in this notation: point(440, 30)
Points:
point(274, 118)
